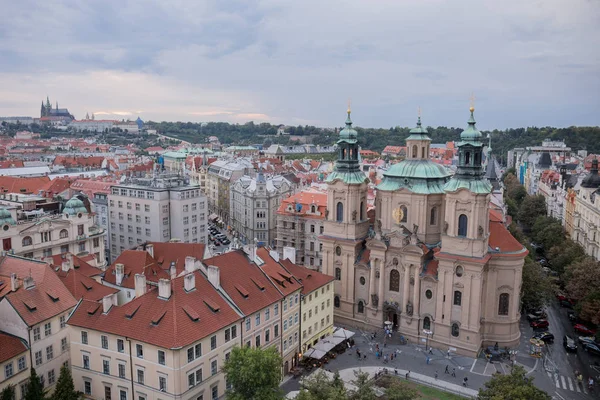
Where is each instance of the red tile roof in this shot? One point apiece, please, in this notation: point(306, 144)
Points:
point(310, 279)
point(283, 280)
point(244, 282)
point(89, 186)
point(179, 321)
point(306, 198)
point(83, 287)
point(73, 161)
point(48, 298)
point(165, 253)
point(79, 264)
point(56, 186)
point(135, 262)
point(501, 239)
point(11, 164)
point(10, 346)
point(22, 185)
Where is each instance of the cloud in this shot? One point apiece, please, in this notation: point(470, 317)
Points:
point(529, 63)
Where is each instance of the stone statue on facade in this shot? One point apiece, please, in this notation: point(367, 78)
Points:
point(409, 308)
point(354, 213)
point(480, 231)
point(445, 227)
point(375, 300)
point(326, 213)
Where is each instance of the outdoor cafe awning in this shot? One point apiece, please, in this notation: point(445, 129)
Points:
point(342, 333)
point(315, 353)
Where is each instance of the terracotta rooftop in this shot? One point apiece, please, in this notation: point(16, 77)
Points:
point(79, 264)
point(283, 280)
point(501, 239)
point(310, 279)
point(46, 299)
point(165, 253)
point(56, 186)
point(83, 287)
point(244, 282)
point(135, 262)
point(172, 323)
point(10, 346)
point(30, 185)
point(11, 164)
point(73, 161)
point(305, 198)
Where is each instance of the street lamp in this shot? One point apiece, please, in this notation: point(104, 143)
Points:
point(427, 333)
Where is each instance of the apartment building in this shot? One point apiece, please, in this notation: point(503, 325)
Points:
point(254, 205)
point(168, 343)
point(34, 306)
point(100, 204)
point(33, 227)
point(14, 363)
point(300, 223)
point(586, 218)
point(316, 304)
point(221, 175)
point(156, 209)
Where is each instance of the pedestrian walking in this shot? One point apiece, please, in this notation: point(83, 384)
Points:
point(448, 353)
point(454, 372)
point(407, 374)
point(430, 350)
point(365, 357)
point(436, 374)
point(465, 381)
point(446, 371)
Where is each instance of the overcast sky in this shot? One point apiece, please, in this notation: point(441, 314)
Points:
point(529, 63)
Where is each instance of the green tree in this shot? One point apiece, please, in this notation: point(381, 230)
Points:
point(253, 373)
point(531, 208)
point(319, 386)
point(399, 390)
point(35, 390)
point(8, 393)
point(364, 387)
point(583, 286)
point(65, 390)
point(514, 386)
point(548, 232)
point(563, 255)
point(536, 288)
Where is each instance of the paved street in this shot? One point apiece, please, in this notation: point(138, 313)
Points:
point(554, 373)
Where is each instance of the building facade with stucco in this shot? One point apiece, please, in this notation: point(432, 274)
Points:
point(439, 262)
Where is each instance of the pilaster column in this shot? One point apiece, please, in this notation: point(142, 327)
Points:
point(416, 292)
point(405, 293)
point(381, 279)
point(466, 298)
point(372, 281)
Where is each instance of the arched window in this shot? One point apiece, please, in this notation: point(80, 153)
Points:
point(462, 225)
point(339, 215)
point(433, 216)
point(362, 211)
point(503, 304)
point(455, 329)
point(476, 158)
point(427, 323)
point(338, 274)
point(336, 301)
point(404, 213)
point(63, 234)
point(415, 151)
point(361, 307)
point(457, 298)
point(394, 280)
point(467, 158)
point(422, 152)
point(27, 241)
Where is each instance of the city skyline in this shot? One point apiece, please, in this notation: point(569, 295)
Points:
point(291, 63)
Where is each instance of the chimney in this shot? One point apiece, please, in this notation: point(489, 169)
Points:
point(173, 270)
point(289, 253)
point(69, 258)
point(14, 283)
point(214, 276)
point(150, 249)
point(119, 271)
point(28, 283)
point(107, 303)
point(65, 266)
point(164, 289)
point(274, 255)
point(140, 285)
point(252, 249)
point(190, 264)
point(189, 282)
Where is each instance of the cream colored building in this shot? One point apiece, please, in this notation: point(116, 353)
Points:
point(439, 263)
point(14, 364)
point(29, 231)
point(156, 209)
point(586, 218)
point(34, 306)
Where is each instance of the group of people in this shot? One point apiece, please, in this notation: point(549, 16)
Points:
point(579, 377)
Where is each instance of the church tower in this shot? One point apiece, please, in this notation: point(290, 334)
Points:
point(346, 223)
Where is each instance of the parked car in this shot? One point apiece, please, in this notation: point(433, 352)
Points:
point(584, 330)
point(546, 337)
point(540, 324)
point(592, 348)
point(586, 339)
point(226, 241)
point(566, 304)
point(569, 344)
point(560, 296)
point(533, 317)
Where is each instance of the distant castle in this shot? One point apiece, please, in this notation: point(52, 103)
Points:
point(48, 111)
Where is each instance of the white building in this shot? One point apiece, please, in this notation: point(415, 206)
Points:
point(221, 175)
point(156, 209)
point(92, 125)
point(254, 204)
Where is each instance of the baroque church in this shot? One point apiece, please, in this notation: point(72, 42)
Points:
point(438, 263)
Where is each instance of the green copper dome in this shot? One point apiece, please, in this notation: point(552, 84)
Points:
point(6, 217)
point(418, 176)
point(348, 134)
point(74, 207)
point(418, 132)
point(471, 134)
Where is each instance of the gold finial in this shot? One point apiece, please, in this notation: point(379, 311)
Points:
point(472, 98)
point(349, 106)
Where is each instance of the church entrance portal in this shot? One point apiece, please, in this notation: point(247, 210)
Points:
point(393, 317)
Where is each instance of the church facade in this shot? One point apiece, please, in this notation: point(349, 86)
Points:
point(438, 262)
